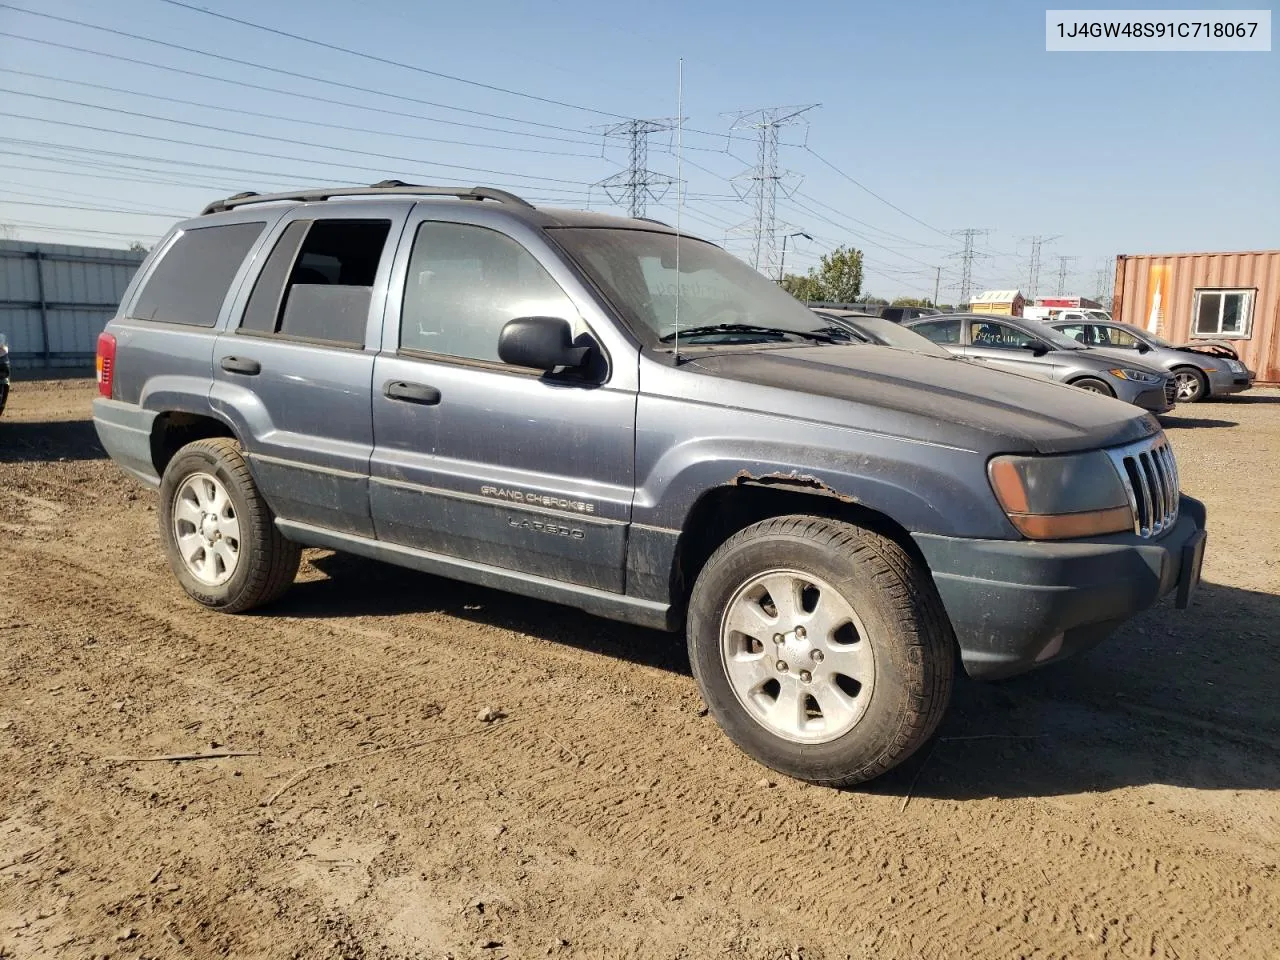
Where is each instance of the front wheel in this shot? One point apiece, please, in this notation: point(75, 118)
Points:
point(820, 648)
point(1093, 385)
point(219, 534)
point(1191, 385)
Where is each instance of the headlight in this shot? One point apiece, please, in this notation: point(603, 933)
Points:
point(1137, 376)
point(1235, 366)
point(1057, 498)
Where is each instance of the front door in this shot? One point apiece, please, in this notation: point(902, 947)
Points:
point(1005, 347)
point(479, 460)
point(293, 371)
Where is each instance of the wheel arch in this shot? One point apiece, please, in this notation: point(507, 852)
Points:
point(722, 511)
point(174, 429)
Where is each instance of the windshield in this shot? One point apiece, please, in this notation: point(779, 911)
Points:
point(893, 335)
point(1154, 339)
point(1045, 332)
point(636, 269)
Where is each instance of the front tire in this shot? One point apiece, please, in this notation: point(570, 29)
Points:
point(219, 534)
point(1093, 385)
point(821, 648)
point(1192, 385)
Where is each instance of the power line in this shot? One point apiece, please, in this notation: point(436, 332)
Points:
point(389, 62)
point(636, 185)
point(288, 73)
point(765, 178)
point(868, 190)
point(328, 101)
point(243, 133)
point(240, 111)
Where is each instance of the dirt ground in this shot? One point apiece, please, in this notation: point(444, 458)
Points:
point(1124, 804)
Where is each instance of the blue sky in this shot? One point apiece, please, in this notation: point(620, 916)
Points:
point(953, 113)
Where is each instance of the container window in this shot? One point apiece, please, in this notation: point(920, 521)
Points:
point(1224, 313)
point(191, 280)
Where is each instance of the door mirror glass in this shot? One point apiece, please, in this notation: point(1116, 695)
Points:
point(1037, 347)
point(541, 343)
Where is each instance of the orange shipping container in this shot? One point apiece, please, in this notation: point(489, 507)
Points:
point(1232, 297)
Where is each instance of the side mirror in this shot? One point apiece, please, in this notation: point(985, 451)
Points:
point(1037, 348)
point(542, 343)
point(1144, 347)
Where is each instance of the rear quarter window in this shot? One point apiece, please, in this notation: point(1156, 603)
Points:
point(189, 284)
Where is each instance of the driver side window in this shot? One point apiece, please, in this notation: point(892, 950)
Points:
point(465, 283)
point(1114, 337)
point(985, 333)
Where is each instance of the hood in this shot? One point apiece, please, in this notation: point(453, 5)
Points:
point(933, 399)
point(1114, 356)
point(1210, 348)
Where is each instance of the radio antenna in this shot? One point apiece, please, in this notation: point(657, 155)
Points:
point(679, 192)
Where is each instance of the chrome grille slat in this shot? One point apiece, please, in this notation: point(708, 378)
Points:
point(1149, 472)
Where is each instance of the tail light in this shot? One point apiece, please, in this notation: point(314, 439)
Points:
point(106, 363)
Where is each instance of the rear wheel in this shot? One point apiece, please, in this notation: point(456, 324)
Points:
point(1093, 385)
point(1191, 384)
point(820, 648)
point(219, 534)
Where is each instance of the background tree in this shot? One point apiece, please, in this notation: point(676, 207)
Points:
point(875, 301)
point(912, 302)
point(837, 279)
point(137, 246)
point(803, 288)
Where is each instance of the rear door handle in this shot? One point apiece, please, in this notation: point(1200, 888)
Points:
point(250, 368)
point(412, 392)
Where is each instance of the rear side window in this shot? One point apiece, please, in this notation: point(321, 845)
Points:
point(939, 331)
point(190, 282)
point(317, 283)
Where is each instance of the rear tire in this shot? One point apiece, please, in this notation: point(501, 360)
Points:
point(863, 672)
point(1093, 385)
point(219, 534)
point(1192, 385)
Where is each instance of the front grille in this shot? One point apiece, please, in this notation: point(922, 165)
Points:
point(1150, 476)
point(1170, 390)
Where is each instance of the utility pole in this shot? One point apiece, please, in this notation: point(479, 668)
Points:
point(1105, 281)
point(635, 186)
point(1062, 273)
point(1033, 268)
point(782, 263)
point(765, 180)
point(937, 282)
point(967, 255)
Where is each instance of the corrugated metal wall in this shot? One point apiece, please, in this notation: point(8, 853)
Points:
point(1178, 276)
point(55, 299)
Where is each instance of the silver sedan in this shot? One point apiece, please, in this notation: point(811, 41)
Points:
point(1197, 372)
point(1029, 347)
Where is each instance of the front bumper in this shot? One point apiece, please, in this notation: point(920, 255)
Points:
point(1154, 398)
point(1223, 382)
point(1019, 604)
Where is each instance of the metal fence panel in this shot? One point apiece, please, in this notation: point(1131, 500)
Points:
point(55, 299)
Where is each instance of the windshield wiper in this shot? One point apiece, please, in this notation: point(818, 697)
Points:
point(712, 328)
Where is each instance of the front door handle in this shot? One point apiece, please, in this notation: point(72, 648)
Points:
point(412, 392)
point(250, 368)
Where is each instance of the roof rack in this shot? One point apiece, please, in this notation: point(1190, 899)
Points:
point(383, 188)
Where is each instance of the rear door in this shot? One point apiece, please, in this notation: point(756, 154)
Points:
point(482, 461)
point(294, 368)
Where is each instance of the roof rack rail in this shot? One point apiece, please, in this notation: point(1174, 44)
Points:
point(382, 188)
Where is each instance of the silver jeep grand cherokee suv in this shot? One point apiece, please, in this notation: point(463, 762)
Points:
point(456, 381)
